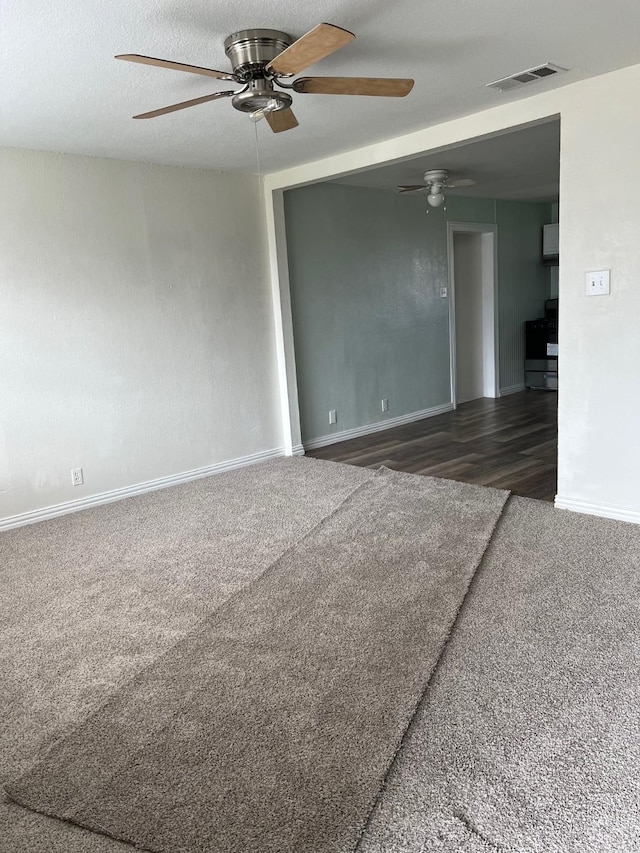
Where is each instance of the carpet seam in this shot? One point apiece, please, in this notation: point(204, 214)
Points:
point(121, 839)
point(64, 733)
point(421, 698)
point(72, 818)
point(473, 830)
point(176, 713)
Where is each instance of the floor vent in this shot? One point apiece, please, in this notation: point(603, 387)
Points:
point(523, 77)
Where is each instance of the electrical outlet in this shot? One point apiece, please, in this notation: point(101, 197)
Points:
point(384, 405)
point(597, 283)
point(76, 477)
point(444, 292)
point(333, 416)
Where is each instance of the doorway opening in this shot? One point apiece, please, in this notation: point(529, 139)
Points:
point(473, 325)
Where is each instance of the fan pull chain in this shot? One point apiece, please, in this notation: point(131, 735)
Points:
point(255, 129)
point(260, 181)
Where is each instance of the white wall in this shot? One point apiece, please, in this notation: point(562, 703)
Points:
point(136, 325)
point(599, 337)
point(599, 409)
point(136, 330)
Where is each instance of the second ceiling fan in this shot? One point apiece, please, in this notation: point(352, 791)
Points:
point(436, 181)
point(264, 59)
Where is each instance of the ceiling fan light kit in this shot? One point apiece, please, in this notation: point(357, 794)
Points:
point(435, 180)
point(263, 59)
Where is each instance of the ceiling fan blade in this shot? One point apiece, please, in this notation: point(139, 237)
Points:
point(280, 120)
point(463, 182)
point(184, 104)
point(311, 47)
point(418, 188)
point(176, 66)
point(382, 86)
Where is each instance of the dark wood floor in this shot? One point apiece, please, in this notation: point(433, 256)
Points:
point(508, 443)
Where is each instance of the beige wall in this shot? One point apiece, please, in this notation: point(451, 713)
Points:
point(137, 336)
point(600, 336)
point(136, 325)
point(599, 413)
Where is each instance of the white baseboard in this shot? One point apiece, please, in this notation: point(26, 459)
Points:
point(512, 389)
point(297, 450)
point(602, 510)
point(356, 432)
point(137, 489)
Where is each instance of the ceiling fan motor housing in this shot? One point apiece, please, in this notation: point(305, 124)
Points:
point(436, 176)
point(250, 51)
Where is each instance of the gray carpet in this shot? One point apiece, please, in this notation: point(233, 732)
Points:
point(528, 740)
point(91, 599)
point(271, 725)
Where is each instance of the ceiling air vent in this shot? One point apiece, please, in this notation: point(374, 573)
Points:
point(514, 81)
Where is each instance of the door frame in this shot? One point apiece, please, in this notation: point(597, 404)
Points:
point(489, 231)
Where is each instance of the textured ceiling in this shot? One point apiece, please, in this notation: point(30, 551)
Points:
point(63, 91)
point(522, 164)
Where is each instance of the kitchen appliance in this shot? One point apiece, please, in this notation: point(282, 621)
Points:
point(541, 350)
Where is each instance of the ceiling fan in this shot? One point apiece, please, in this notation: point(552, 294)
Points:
point(264, 59)
point(435, 182)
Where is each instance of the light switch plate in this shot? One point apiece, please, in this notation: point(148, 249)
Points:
point(597, 283)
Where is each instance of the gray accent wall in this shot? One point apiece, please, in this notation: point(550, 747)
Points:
point(366, 268)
